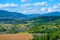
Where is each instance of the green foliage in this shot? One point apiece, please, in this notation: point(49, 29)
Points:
point(9, 28)
point(50, 26)
point(43, 37)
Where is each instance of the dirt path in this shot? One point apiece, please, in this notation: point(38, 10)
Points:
point(15, 36)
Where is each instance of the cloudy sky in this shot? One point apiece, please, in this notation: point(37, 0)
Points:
point(30, 6)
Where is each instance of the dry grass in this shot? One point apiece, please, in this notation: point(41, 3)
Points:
point(15, 36)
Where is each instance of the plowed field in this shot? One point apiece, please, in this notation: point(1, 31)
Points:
point(15, 36)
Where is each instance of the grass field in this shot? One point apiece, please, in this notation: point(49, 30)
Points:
point(15, 36)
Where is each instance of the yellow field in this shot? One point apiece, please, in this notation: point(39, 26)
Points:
point(15, 36)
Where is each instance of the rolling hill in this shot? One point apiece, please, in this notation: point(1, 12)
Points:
point(8, 15)
point(14, 17)
point(52, 14)
point(11, 17)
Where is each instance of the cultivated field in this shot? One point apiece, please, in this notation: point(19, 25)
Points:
point(15, 36)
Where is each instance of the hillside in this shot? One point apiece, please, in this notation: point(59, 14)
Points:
point(6, 14)
point(51, 14)
point(11, 17)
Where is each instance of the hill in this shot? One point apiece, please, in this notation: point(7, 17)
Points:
point(51, 14)
point(11, 17)
point(8, 15)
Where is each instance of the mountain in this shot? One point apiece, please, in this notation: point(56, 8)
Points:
point(51, 14)
point(31, 16)
point(11, 17)
point(8, 15)
point(15, 15)
point(53, 17)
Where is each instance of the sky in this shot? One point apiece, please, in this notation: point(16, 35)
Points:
point(30, 6)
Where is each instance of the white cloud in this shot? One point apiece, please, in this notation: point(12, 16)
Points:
point(50, 9)
point(43, 9)
point(25, 5)
point(44, 3)
point(29, 8)
point(25, 0)
point(53, 9)
point(55, 6)
point(41, 4)
point(33, 7)
point(24, 11)
point(33, 11)
point(59, 4)
point(30, 11)
point(27, 11)
point(37, 4)
point(8, 5)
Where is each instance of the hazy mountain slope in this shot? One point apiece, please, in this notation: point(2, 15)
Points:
point(6, 14)
point(51, 14)
point(11, 17)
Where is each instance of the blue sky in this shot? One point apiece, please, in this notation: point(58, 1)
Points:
point(30, 6)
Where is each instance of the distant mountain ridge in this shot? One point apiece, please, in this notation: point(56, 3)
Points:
point(14, 17)
point(52, 14)
point(6, 14)
point(11, 17)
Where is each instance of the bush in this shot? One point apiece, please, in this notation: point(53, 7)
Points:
point(9, 28)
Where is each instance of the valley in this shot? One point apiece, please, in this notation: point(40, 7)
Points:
point(14, 24)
